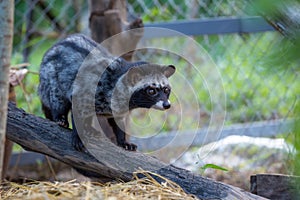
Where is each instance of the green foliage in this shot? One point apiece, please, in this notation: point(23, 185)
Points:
point(155, 14)
point(250, 87)
point(162, 10)
point(285, 57)
point(296, 141)
point(166, 10)
point(211, 166)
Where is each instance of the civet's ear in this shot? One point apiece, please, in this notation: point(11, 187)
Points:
point(169, 70)
point(133, 75)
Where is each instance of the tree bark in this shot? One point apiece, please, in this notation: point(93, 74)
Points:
point(8, 144)
point(6, 34)
point(46, 137)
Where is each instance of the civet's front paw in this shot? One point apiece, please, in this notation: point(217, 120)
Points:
point(128, 146)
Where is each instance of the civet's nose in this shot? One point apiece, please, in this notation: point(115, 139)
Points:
point(166, 105)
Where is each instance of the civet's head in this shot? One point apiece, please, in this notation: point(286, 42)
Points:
point(149, 86)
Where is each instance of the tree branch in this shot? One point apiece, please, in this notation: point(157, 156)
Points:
point(43, 136)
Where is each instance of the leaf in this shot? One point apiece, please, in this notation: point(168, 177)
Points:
point(212, 166)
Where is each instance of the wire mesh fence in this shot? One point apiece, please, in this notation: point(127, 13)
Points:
point(175, 10)
point(254, 92)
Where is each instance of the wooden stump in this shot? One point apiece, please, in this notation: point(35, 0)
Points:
point(275, 186)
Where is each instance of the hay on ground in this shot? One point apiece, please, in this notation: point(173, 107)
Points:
point(139, 188)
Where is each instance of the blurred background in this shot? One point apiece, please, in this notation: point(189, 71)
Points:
point(254, 99)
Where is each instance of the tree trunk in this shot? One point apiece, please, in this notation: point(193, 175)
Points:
point(6, 34)
point(8, 144)
point(43, 136)
point(109, 18)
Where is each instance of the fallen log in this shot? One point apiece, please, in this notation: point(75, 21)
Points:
point(41, 135)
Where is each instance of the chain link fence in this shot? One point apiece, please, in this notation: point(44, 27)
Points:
point(254, 93)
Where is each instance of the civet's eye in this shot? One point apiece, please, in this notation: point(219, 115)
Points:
point(166, 90)
point(151, 91)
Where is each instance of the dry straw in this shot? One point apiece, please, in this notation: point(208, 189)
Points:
point(139, 188)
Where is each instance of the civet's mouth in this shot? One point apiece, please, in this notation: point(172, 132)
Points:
point(162, 105)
